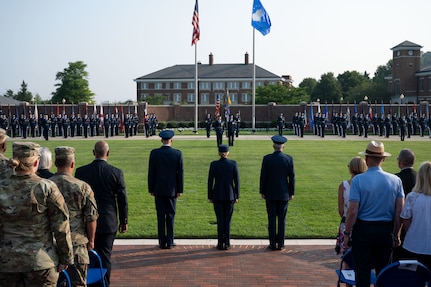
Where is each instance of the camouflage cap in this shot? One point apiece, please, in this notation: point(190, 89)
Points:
point(64, 152)
point(3, 136)
point(25, 149)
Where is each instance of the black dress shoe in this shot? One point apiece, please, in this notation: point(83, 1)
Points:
point(227, 247)
point(281, 247)
point(272, 247)
point(219, 246)
point(161, 246)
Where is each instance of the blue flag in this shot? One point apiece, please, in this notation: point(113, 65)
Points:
point(260, 19)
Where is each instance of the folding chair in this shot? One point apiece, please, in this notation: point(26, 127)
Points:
point(404, 273)
point(96, 272)
point(346, 273)
point(64, 279)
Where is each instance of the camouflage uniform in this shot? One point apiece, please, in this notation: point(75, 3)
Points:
point(5, 170)
point(82, 207)
point(32, 210)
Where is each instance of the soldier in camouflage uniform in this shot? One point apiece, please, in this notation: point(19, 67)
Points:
point(5, 170)
point(82, 207)
point(32, 212)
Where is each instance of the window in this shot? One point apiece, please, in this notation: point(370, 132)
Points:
point(177, 98)
point(397, 87)
point(421, 84)
point(158, 86)
point(233, 98)
point(219, 96)
point(205, 99)
point(218, 86)
point(245, 98)
point(204, 86)
point(191, 85)
point(143, 96)
point(177, 86)
point(233, 85)
point(246, 85)
point(429, 84)
point(260, 84)
point(190, 98)
point(144, 86)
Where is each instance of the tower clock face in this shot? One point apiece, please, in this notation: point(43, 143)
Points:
point(410, 52)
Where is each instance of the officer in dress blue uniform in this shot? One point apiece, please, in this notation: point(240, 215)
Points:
point(223, 192)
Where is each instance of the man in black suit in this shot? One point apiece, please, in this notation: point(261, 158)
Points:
point(223, 192)
point(166, 183)
point(277, 187)
point(109, 189)
point(406, 160)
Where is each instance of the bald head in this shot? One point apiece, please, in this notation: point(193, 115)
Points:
point(101, 150)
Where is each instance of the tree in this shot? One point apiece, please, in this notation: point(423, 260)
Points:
point(328, 89)
point(426, 60)
point(308, 84)
point(73, 86)
point(349, 80)
point(9, 94)
point(280, 94)
point(23, 94)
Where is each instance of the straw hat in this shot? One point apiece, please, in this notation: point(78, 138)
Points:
point(375, 149)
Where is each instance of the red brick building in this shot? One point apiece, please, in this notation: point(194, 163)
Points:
point(409, 82)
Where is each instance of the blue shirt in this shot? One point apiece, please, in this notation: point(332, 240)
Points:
point(377, 192)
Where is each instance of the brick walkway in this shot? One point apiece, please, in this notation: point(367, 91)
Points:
point(242, 265)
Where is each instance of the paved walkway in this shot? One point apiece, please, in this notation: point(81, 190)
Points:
point(248, 263)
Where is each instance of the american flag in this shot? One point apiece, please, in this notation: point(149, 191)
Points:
point(217, 111)
point(195, 22)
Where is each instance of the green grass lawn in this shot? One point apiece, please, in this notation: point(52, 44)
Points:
point(320, 166)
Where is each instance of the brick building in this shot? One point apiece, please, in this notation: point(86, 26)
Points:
point(177, 83)
point(409, 82)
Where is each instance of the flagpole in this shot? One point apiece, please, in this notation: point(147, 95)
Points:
point(196, 89)
point(253, 96)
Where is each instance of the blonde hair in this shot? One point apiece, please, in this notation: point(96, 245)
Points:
point(423, 179)
point(357, 165)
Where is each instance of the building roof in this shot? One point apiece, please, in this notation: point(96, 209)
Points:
point(4, 101)
point(406, 45)
point(209, 72)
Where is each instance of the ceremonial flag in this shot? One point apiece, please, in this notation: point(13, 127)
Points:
point(354, 107)
point(73, 109)
point(311, 116)
point(318, 108)
point(94, 109)
point(36, 112)
point(326, 111)
point(195, 22)
point(136, 109)
point(101, 115)
point(260, 19)
point(217, 110)
point(122, 119)
point(382, 109)
point(227, 106)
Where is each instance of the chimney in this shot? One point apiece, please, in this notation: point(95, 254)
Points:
point(211, 59)
point(246, 58)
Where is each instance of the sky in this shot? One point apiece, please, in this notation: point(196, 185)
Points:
point(120, 41)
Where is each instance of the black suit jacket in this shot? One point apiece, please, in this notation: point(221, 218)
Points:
point(109, 190)
point(408, 177)
point(165, 172)
point(223, 180)
point(277, 176)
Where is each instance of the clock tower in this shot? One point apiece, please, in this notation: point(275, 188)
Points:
point(406, 63)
